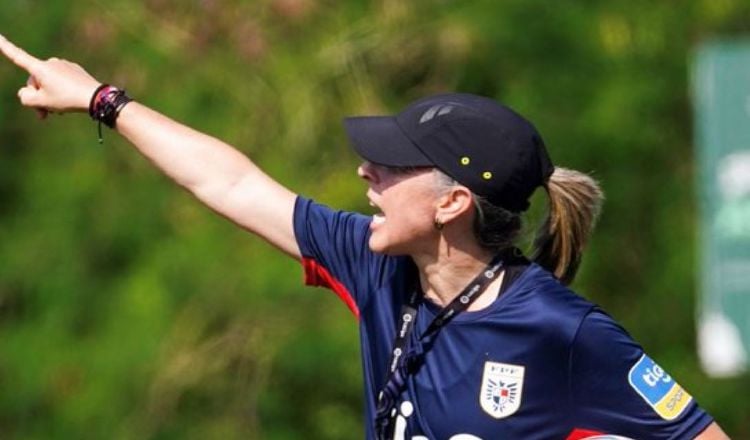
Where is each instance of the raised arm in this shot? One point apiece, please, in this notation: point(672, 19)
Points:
point(217, 174)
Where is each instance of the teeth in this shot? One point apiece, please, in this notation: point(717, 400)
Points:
point(378, 219)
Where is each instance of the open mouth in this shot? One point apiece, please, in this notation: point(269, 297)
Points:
point(378, 217)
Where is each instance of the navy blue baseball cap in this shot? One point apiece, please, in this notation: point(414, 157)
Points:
point(480, 143)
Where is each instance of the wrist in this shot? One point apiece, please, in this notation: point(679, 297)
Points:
point(94, 98)
point(106, 103)
point(85, 104)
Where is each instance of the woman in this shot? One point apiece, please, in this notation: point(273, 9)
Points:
point(462, 336)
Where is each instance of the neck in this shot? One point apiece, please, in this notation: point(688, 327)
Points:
point(444, 276)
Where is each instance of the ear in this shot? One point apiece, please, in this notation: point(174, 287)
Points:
point(457, 202)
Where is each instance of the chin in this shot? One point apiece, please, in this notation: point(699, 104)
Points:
point(376, 247)
point(385, 248)
point(379, 246)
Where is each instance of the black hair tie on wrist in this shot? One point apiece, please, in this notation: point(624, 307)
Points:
point(105, 106)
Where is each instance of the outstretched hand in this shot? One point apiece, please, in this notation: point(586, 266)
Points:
point(54, 85)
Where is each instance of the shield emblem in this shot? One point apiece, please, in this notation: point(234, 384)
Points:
point(502, 388)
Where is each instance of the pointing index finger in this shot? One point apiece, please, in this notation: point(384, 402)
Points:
point(14, 53)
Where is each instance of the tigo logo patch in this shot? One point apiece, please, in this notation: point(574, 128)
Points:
point(658, 388)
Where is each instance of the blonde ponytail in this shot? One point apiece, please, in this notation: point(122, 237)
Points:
point(574, 204)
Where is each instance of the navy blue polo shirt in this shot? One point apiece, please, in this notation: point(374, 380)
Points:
point(539, 363)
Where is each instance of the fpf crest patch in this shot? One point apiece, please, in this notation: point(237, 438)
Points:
point(658, 388)
point(501, 390)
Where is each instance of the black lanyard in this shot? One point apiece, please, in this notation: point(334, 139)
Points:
point(401, 364)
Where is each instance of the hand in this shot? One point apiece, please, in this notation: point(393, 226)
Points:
point(54, 85)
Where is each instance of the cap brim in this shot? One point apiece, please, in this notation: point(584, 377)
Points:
point(380, 140)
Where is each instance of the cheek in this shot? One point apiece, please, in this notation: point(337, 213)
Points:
point(421, 218)
point(409, 209)
point(416, 215)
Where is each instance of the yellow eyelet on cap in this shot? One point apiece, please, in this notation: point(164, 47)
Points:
point(465, 160)
point(487, 175)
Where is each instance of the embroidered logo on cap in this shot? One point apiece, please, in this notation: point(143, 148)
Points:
point(435, 110)
point(501, 390)
point(658, 388)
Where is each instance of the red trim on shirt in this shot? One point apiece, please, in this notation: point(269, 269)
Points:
point(317, 275)
point(579, 434)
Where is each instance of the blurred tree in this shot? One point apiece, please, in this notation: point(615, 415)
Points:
point(128, 311)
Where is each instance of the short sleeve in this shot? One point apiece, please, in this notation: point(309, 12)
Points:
point(617, 389)
point(334, 249)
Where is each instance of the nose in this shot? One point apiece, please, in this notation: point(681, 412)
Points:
point(366, 171)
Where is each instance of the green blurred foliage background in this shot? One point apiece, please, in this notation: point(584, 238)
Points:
point(129, 311)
